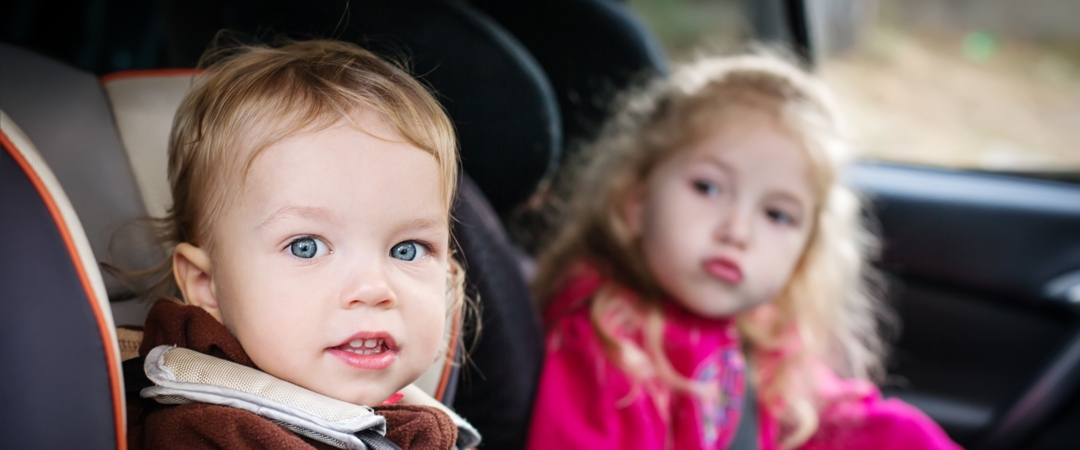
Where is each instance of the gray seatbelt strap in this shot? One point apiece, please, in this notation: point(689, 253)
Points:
point(746, 436)
point(376, 441)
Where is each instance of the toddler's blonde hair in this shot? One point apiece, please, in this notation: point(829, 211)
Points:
point(827, 312)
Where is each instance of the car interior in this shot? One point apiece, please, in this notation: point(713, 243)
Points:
point(983, 269)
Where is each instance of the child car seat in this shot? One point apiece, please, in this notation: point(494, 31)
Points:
point(60, 383)
point(43, 331)
point(510, 133)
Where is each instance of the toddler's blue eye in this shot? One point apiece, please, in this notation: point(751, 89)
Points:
point(408, 251)
point(707, 188)
point(308, 247)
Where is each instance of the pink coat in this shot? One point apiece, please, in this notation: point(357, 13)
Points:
point(585, 401)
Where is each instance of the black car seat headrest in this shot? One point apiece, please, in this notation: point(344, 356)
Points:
point(501, 371)
point(498, 97)
point(65, 113)
point(57, 338)
point(591, 50)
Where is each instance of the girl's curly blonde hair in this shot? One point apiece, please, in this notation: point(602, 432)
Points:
point(827, 313)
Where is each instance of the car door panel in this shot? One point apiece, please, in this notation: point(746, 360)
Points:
point(981, 273)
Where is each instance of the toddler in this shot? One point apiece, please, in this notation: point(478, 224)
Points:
point(709, 263)
point(312, 187)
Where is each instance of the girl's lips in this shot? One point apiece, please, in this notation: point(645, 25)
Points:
point(724, 269)
point(367, 350)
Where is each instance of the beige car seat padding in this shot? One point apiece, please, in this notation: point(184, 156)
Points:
point(129, 341)
point(189, 366)
point(182, 376)
point(144, 104)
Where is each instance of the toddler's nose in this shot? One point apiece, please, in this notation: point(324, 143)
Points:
point(370, 287)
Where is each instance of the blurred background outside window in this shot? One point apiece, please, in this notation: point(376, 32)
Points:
point(969, 84)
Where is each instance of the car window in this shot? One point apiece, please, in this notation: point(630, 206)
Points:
point(986, 85)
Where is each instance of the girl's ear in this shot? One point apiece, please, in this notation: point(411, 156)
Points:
point(633, 210)
point(194, 276)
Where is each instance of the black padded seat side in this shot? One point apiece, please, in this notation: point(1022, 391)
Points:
point(54, 378)
point(591, 50)
point(498, 380)
point(501, 103)
point(64, 111)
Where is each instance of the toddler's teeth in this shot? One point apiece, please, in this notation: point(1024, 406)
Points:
point(364, 346)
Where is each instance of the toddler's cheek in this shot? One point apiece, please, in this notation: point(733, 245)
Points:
point(426, 320)
point(433, 337)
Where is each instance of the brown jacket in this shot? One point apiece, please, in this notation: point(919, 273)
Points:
point(201, 425)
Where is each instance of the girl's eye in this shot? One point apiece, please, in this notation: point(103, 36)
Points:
point(408, 251)
point(308, 247)
point(780, 217)
point(707, 188)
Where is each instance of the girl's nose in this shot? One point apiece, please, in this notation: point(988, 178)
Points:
point(369, 287)
point(736, 227)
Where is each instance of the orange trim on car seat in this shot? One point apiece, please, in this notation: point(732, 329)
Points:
point(451, 353)
point(111, 357)
point(147, 73)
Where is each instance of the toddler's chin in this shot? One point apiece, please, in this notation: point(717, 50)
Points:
point(368, 395)
point(371, 397)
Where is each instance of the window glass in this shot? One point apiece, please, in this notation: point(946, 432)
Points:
point(972, 84)
point(684, 26)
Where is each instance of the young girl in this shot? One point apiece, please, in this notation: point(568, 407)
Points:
point(707, 248)
point(311, 188)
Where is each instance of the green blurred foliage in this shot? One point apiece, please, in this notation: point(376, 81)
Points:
point(684, 26)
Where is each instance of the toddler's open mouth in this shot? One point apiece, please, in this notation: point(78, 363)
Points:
point(365, 346)
point(368, 351)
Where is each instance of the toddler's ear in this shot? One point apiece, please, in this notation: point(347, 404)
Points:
point(194, 276)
